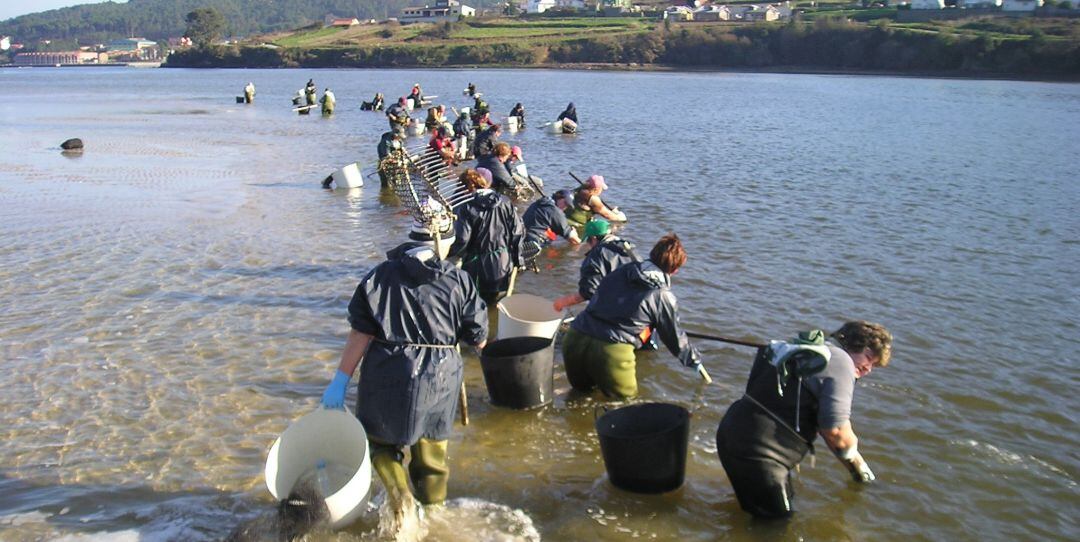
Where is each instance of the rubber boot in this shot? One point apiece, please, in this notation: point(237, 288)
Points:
point(428, 470)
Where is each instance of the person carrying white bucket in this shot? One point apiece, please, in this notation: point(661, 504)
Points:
point(569, 114)
point(407, 316)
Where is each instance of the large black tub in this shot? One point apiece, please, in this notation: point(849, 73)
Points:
point(644, 446)
point(519, 371)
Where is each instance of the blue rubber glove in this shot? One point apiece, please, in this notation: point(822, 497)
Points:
point(334, 396)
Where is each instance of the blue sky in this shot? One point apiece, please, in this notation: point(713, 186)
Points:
point(14, 8)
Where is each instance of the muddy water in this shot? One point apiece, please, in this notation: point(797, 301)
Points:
point(172, 297)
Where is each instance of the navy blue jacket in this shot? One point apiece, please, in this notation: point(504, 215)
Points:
point(409, 391)
point(544, 215)
point(610, 254)
point(489, 236)
point(630, 299)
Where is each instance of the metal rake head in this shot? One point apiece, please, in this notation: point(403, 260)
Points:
point(419, 175)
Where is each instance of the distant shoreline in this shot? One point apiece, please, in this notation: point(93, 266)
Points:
point(662, 68)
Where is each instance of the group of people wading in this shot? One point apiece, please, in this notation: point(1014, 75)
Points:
point(410, 312)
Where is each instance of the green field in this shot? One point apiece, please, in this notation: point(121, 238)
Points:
point(464, 32)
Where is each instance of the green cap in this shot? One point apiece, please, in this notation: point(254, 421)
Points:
point(597, 227)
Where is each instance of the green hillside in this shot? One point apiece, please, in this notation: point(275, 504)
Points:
point(158, 19)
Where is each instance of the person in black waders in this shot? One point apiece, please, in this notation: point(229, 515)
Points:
point(489, 236)
point(545, 222)
point(407, 316)
point(607, 252)
point(629, 303)
point(796, 391)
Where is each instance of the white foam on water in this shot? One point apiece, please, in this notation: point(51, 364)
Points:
point(475, 519)
point(1025, 462)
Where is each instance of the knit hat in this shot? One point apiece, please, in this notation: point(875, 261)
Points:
point(597, 227)
point(485, 173)
point(562, 195)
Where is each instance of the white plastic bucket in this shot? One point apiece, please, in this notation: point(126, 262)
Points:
point(409, 104)
point(513, 123)
point(527, 315)
point(418, 127)
point(331, 436)
point(348, 177)
point(555, 127)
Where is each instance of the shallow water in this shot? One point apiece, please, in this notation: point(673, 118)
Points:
point(172, 297)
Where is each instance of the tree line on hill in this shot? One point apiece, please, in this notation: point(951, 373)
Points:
point(162, 19)
point(827, 44)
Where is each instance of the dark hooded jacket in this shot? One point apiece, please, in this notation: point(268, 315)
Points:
point(397, 114)
point(462, 126)
point(518, 111)
point(501, 179)
point(610, 254)
point(489, 238)
point(407, 391)
point(387, 143)
point(630, 299)
point(569, 113)
point(544, 216)
point(484, 145)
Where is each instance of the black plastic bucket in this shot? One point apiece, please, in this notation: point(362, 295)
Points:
point(519, 371)
point(644, 446)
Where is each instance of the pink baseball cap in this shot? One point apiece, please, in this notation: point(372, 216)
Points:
point(596, 181)
point(516, 151)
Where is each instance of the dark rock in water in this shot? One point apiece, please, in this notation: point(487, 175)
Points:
point(72, 144)
point(301, 512)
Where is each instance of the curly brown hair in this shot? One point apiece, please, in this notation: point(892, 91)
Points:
point(857, 335)
point(472, 180)
point(668, 253)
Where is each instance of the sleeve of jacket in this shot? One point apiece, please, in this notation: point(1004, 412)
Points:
point(360, 316)
point(474, 316)
point(559, 224)
point(671, 332)
point(462, 234)
point(517, 237)
point(591, 274)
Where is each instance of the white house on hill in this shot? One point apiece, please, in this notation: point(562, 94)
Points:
point(1021, 5)
point(443, 10)
point(927, 4)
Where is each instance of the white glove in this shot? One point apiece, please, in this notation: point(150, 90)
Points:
point(856, 465)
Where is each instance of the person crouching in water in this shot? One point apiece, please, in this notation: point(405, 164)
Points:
point(545, 222)
point(628, 305)
point(519, 112)
point(767, 432)
point(587, 203)
point(607, 252)
point(442, 143)
point(489, 236)
point(407, 316)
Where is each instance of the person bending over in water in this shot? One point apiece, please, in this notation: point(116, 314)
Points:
point(407, 316)
point(628, 305)
point(587, 203)
point(767, 432)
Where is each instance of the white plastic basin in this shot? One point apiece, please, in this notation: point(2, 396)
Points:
point(331, 436)
point(348, 176)
point(527, 315)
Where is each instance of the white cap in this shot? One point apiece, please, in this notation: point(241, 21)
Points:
point(438, 219)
